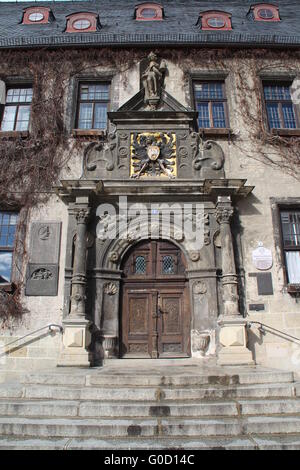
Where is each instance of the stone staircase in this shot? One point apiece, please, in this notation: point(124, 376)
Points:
point(151, 407)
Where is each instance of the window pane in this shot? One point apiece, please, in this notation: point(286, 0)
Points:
point(85, 116)
point(100, 117)
point(5, 266)
point(23, 118)
point(19, 95)
point(8, 223)
point(168, 265)
point(273, 115)
point(290, 222)
point(218, 115)
point(277, 92)
point(203, 111)
point(140, 265)
point(293, 266)
point(210, 90)
point(8, 120)
point(94, 92)
point(289, 116)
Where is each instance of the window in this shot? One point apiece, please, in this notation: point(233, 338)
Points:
point(140, 265)
point(290, 224)
point(17, 108)
point(149, 12)
point(211, 104)
point(82, 23)
point(215, 20)
point(168, 265)
point(92, 105)
point(36, 15)
point(8, 225)
point(265, 12)
point(279, 106)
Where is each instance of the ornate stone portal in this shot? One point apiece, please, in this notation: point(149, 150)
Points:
point(154, 156)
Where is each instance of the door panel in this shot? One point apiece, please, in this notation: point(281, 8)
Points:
point(156, 317)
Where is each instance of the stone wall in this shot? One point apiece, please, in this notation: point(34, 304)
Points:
point(281, 310)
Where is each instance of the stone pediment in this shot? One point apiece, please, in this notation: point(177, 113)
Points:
point(167, 103)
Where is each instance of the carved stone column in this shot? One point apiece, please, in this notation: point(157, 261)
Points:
point(77, 337)
point(233, 333)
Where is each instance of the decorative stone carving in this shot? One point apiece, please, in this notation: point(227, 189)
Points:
point(45, 232)
point(208, 157)
point(194, 256)
point(200, 288)
point(82, 216)
point(109, 344)
point(101, 156)
point(153, 154)
point(110, 288)
point(224, 214)
point(200, 342)
point(113, 257)
point(42, 274)
point(152, 79)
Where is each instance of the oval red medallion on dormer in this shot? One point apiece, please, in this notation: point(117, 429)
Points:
point(149, 12)
point(215, 20)
point(36, 15)
point(84, 22)
point(265, 12)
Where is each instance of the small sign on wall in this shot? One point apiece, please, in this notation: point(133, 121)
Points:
point(262, 257)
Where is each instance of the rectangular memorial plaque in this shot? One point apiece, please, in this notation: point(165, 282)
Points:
point(41, 279)
point(45, 242)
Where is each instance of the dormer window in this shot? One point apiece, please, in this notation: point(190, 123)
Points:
point(36, 15)
point(148, 12)
point(82, 23)
point(215, 20)
point(265, 12)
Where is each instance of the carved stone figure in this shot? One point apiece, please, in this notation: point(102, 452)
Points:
point(42, 274)
point(101, 156)
point(153, 155)
point(209, 157)
point(152, 79)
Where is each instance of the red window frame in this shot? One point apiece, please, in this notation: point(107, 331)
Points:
point(265, 6)
point(91, 17)
point(153, 6)
point(43, 10)
point(208, 15)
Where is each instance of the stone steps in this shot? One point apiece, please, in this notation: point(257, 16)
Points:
point(73, 409)
point(95, 409)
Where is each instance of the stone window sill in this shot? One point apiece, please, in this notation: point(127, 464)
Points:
point(215, 131)
point(293, 288)
point(14, 134)
point(89, 132)
point(286, 132)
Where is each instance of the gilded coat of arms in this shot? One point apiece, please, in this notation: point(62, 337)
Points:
point(153, 155)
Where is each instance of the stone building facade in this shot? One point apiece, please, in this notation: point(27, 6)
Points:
point(168, 230)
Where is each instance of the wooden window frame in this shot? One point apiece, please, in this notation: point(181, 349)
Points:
point(11, 249)
point(210, 103)
point(80, 131)
point(19, 85)
point(282, 129)
point(278, 206)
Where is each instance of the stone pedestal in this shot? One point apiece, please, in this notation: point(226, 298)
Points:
point(76, 340)
point(233, 341)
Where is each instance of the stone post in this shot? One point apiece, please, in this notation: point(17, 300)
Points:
point(77, 337)
point(233, 333)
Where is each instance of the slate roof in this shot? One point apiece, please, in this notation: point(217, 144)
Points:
point(118, 26)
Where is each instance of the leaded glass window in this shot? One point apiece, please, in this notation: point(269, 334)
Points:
point(93, 105)
point(211, 104)
point(17, 109)
point(280, 109)
point(168, 265)
point(140, 265)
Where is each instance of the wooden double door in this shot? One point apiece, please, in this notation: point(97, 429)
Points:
point(155, 302)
